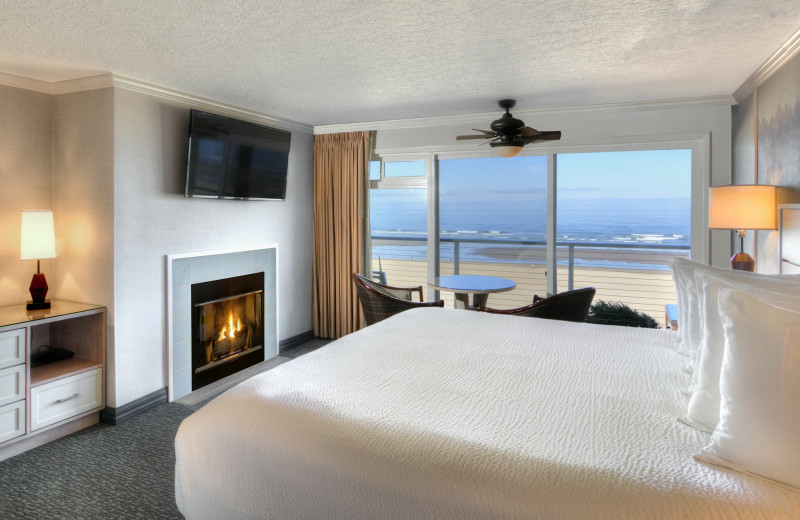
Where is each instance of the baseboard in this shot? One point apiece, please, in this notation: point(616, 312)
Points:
point(294, 341)
point(111, 415)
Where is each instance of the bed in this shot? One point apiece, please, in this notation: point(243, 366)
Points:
point(496, 417)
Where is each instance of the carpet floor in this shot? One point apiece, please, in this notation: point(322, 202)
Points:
point(104, 472)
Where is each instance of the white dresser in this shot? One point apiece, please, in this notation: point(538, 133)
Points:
point(39, 404)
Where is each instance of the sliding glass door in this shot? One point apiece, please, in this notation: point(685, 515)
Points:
point(613, 220)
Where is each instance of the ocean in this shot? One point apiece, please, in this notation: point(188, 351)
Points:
point(481, 233)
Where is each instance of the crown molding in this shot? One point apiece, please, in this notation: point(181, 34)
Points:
point(785, 52)
point(630, 142)
point(83, 84)
point(468, 119)
point(10, 80)
point(109, 80)
point(58, 87)
point(195, 101)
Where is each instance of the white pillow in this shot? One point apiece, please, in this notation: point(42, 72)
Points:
point(686, 272)
point(703, 410)
point(759, 427)
point(683, 274)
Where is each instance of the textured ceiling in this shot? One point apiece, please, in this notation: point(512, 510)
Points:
point(338, 61)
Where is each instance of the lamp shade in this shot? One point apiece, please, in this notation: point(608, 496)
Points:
point(742, 207)
point(38, 237)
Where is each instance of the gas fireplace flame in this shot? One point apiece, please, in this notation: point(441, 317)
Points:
point(229, 331)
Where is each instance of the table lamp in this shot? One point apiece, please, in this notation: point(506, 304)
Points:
point(742, 207)
point(38, 241)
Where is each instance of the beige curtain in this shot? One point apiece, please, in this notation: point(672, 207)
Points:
point(341, 163)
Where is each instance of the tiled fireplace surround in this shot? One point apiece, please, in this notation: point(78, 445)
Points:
point(185, 269)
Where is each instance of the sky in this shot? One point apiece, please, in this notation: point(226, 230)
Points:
point(650, 174)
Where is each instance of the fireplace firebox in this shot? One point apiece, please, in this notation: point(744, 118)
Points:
point(228, 327)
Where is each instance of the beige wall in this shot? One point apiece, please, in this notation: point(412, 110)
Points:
point(26, 182)
point(110, 163)
point(83, 203)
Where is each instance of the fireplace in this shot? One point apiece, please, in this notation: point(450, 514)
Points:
point(227, 327)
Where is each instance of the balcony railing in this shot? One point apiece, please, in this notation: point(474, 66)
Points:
point(633, 273)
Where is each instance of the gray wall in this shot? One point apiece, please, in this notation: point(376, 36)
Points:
point(153, 219)
point(26, 182)
point(774, 110)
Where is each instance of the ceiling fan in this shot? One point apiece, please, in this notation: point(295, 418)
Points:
point(508, 135)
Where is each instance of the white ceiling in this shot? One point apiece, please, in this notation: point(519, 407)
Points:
point(338, 61)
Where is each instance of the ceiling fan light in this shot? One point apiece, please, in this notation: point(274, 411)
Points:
point(506, 149)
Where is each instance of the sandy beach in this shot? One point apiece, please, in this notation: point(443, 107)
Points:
point(646, 290)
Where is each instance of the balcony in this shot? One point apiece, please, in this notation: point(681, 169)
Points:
point(635, 274)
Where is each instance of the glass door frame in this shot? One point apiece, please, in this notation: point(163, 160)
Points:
point(698, 142)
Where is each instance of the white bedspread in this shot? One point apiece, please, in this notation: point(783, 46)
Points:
point(451, 414)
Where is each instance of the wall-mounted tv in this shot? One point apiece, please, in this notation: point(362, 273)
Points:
point(232, 159)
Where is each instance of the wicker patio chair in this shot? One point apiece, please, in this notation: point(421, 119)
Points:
point(382, 301)
point(566, 306)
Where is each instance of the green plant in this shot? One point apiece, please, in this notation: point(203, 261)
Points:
point(608, 313)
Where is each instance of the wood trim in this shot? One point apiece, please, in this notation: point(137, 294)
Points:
point(111, 415)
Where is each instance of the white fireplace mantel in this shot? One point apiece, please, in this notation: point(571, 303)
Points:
point(185, 269)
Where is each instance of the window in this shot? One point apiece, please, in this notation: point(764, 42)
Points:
point(404, 169)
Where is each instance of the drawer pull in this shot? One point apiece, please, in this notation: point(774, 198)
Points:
point(70, 398)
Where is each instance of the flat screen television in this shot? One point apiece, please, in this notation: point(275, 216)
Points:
point(232, 159)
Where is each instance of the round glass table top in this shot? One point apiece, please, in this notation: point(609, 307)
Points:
point(472, 283)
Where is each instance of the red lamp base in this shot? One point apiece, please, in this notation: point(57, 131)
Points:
point(743, 262)
point(38, 291)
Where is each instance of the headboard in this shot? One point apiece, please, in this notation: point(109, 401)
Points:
point(789, 238)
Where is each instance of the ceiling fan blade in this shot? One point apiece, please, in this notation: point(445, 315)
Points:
point(554, 135)
point(462, 137)
point(527, 131)
point(490, 133)
point(550, 135)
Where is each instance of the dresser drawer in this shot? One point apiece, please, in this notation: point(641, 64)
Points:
point(12, 348)
point(12, 384)
point(12, 420)
point(65, 398)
